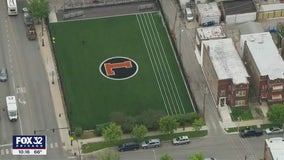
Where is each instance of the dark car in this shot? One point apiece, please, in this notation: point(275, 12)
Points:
point(129, 146)
point(3, 75)
point(250, 132)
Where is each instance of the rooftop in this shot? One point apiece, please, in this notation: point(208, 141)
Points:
point(251, 27)
point(214, 32)
point(265, 54)
point(272, 7)
point(238, 7)
point(276, 146)
point(226, 60)
point(208, 9)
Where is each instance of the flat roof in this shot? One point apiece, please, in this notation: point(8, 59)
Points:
point(265, 54)
point(214, 32)
point(208, 9)
point(238, 7)
point(251, 27)
point(272, 7)
point(226, 60)
point(276, 146)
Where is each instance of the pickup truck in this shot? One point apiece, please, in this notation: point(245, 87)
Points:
point(181, 140)
point(249, 132)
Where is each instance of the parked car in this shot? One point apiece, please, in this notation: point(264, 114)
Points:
point(181, 140)
point(211, 158)
point(128, 146)
point(274, 130)
point(3, 75)
point(151, 143)
point(249, 132)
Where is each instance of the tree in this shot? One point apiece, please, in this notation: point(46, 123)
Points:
point(166, 157)
point(196, 156)
point(150, 118)
point(197, 124)
point(168, 124)
point(128, 124)
point(108, 155)
point(112, 133)
point(39, 10)
point(275, 114)
point(139, 132)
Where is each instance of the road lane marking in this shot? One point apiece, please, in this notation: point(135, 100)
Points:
point(7, 151)
point(51, 145)
point(4, 145)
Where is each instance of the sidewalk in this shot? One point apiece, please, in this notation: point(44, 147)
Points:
point(52, 74)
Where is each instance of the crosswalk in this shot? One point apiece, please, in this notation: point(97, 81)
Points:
point(7, 150)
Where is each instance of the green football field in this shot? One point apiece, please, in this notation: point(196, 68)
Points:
point(118, 64)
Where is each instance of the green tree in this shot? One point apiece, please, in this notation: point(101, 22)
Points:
point(166, 157)
point(108, 155)
point(139, 132)
point(197, 124)
point(39, 10)
point(128, 124)
point(112, 133)
point(150, 118)
point(275, 114)
point(168, 124)
point(196, 156)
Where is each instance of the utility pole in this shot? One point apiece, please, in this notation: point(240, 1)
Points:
point(205, 92)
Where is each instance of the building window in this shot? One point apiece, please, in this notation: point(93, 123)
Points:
point(264, 87)
point(241, 93)
point(263, 95)
point(222, 93)
point(239, 103)
point(276, 96)
point(278, 87)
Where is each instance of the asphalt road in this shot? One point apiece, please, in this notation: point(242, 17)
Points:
point(28, 81)
point(226, 147)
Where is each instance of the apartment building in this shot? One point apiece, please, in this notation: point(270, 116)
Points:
point(225, 73)
point(264, 65)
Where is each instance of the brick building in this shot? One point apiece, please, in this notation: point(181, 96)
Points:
point(225, 73)
point(204, 34)
point(265, 66)
point(274, 149)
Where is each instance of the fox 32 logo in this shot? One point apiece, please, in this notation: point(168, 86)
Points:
point(29, 142)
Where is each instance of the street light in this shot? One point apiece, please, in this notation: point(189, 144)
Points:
point(79, 150)
point(205, 92)
point(52, 77)
point(181, 31)
point(154, 154)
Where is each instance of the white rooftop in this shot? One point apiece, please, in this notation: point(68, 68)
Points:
point(265, 54)
point(272, 7)
point(226, 60)
point(208, 9)
point(214, 32)
point(276, 146)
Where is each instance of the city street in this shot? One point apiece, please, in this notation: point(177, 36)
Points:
point(27, 81)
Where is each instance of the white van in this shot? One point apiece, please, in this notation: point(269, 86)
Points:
point(188, 14)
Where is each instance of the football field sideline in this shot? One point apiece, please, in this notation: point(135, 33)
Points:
point(160, 65)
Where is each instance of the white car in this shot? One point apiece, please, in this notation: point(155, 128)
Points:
point(151, 143)
point(274, 130)
point(181, 140)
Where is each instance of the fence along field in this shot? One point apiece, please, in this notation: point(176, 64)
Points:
point(98, 50)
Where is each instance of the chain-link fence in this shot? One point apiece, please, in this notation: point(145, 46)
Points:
point(75, 4)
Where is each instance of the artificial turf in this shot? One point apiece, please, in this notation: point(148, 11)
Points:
point(81, 47)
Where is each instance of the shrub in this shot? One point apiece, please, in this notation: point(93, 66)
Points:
point(78, 131)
